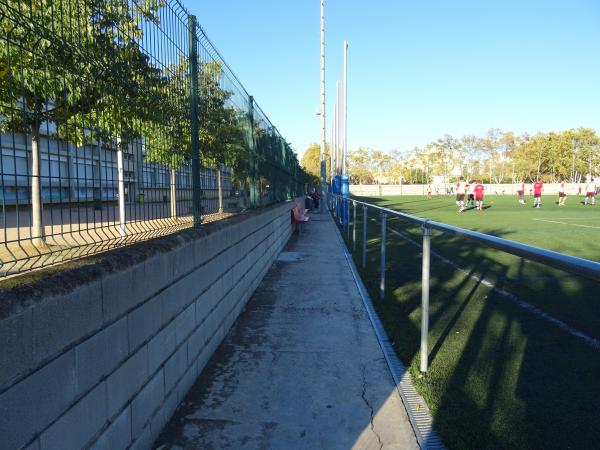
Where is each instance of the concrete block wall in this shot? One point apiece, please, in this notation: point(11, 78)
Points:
point(379, 190)
point(104, 362)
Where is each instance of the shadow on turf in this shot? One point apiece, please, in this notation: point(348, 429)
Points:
point(500, 377)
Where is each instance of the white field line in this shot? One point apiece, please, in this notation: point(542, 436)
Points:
point(592, 342)
point(567, 223)
point(577, 218)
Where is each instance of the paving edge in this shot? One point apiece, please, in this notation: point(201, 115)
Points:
point(416, 408)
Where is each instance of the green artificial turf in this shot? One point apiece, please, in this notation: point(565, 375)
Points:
point(500, 376)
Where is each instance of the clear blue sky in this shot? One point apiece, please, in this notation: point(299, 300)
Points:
point(417, 69)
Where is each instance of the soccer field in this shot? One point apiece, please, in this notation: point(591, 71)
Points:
point(573, 229)
point(514, 346)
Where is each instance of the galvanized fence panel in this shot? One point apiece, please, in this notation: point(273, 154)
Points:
point(119, 122)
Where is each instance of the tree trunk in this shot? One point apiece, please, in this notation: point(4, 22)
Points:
point(37, 220)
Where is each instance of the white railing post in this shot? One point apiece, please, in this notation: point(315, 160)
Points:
point(383, 239)
point(425, 298)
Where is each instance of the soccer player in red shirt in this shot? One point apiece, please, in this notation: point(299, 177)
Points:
point(478, 190)
point(537, 193)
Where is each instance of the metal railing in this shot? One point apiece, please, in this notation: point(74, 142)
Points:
point(120, 122)
point(571, 264)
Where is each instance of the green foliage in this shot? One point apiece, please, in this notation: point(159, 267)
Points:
point(497, 157)
point(361, 166)
point(554, 156)
point(85, 72)
point(311, 161)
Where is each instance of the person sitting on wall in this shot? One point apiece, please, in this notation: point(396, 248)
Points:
point(315, 197)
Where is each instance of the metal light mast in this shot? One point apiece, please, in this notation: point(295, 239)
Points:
point(323, 118)
point(345, 87)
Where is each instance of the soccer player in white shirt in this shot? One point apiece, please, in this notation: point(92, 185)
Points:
point(562, 196)
point(461, 189)
point(470, 195)
point(590, 192)
point(521, 193)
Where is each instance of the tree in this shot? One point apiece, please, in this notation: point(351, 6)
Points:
point(396, 171)
point(379, 163)
point(360, 168)
point(510, 142)
point(554, 156)
point(311, 161)
point(83, 72)
point(490, 145)
point(469, 158)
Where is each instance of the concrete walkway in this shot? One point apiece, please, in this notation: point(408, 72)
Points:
point(301, 369)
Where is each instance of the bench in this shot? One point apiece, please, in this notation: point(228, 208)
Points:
point(299, 217)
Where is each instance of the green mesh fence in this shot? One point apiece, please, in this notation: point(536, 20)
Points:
point(119, 122)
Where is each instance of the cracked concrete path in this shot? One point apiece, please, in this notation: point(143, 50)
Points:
point(301, 368)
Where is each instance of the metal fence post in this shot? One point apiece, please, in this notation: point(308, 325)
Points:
point(252, 188)
point(364, 240)
point(195, 122)
point(383, 231)
point(121, 188)
point(425, 297)
point(354, 226)
point(220, 186)
point(348, 220)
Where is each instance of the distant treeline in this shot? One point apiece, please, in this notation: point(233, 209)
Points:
point(497, 157)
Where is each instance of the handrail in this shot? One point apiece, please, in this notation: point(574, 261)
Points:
point(572, 264)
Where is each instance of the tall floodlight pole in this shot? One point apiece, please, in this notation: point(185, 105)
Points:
point(335, 138)
point(323, 118)
point(340, 127)
point(345, 87)
point(332, 150)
